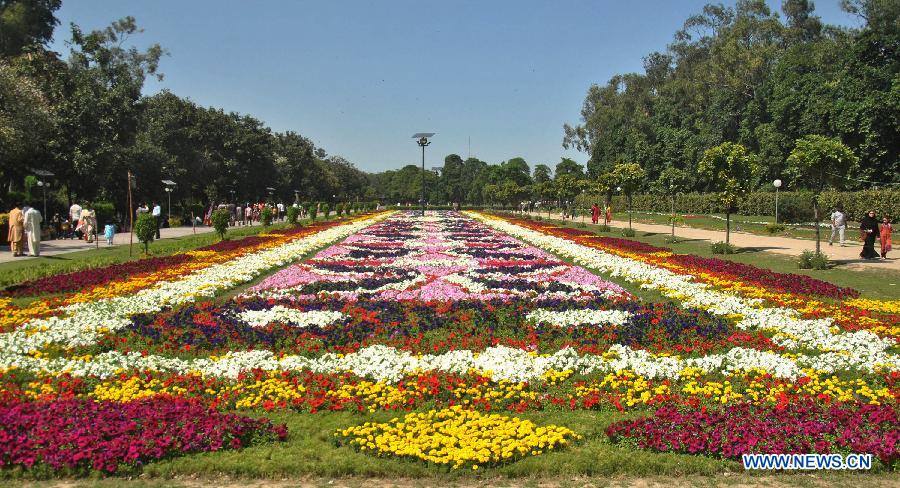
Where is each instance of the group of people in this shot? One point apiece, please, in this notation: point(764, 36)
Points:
point(595, 213)
point(246, 214)
point(24, 230)
point(870, 229)
point(80, 224)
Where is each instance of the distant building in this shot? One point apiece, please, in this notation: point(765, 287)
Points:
point(437, 169)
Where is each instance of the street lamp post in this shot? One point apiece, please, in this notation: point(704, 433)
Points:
point(422, 140)
point(43, 186)
point(777, 185)
point(170, 187)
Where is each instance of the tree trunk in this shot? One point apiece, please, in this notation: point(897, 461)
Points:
point(728, 227)
point(816, 220)
point(629, 212)
point(673, 217)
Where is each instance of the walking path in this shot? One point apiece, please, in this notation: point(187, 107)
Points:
point(848, 256)
point(61, 246)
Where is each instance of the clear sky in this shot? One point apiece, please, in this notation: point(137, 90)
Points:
point(360, 77)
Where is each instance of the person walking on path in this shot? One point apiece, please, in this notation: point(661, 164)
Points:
point(33, 221)
point(884, 233)
point(608, 216)
point(838, 225)
point(157, 216)
point(595, 213)
point(16, 230)
point(868, 230)
point(74, 216)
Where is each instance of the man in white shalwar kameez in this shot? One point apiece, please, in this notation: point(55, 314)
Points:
point(33, 231)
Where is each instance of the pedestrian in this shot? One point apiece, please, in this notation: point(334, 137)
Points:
point(56, 222)
point(157, 216)
point(16, 230)
point(595, 213)
point(838, 225)
point(884, 233)
point(608, 216)
point(74, 216)
point(109, 232)
point(33, 221)
point(239, 215)
point(868, 229)
point(248, 214)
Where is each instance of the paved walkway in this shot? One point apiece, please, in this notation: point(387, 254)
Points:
point(63, 246)
point(848, 256)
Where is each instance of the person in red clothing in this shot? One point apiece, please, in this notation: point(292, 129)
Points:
point(884, 233)
point(595, 213)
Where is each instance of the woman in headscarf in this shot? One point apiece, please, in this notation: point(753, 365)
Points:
point(868, 229)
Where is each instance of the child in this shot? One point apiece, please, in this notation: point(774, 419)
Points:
point(885, 235)
point(109, 231)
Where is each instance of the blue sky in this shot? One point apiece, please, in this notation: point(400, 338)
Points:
point(359, 78)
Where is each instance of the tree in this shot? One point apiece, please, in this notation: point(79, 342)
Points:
point(25, 23)
point(729, 169)
point(671, 182)
point(629, 177)
point(453, 178)
point(541, 173)
point(820, 162)
point(569, 167)
point(24, 118)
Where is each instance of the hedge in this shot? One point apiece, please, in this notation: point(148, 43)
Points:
point(793, 207)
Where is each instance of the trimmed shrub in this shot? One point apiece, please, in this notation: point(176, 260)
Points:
point(773, 229)
point(722, 247)
point(265, 216)
point(175, 221)
point(293, 213)
point(104, 211)
point(628, 233)
point(813, 260)
point(220, 220)
point(326, 209)
point(145, 230)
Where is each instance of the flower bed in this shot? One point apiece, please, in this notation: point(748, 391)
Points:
point(80, 435)
point(790, 428)
point(405, 313)
point(456, 437)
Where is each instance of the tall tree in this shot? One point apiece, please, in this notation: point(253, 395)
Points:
point(729, 170)
point(26, 23)
point(820, 162)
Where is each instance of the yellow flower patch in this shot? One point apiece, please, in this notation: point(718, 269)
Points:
point(457, 437)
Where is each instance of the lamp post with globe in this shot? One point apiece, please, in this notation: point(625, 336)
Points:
point(777, 185)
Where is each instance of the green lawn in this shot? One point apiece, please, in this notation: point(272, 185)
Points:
point(311, 453)
point(739, 223)
point(28, 269)
point(878, 284)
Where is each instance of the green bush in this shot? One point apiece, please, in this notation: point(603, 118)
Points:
point(339, 209)
point(581, 225)
point(628, 232)
point(813, 260)
point(220, 220)
point(175, 221)
point(266, 215)
point(145, 230)
point(723, 247)
point(105, 212)
point(773, 229)
point(293, 213)
point(326, 209)
point(603, 228)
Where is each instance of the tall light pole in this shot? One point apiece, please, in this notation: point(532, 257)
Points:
point(169, 189)
point(777, 185)
point(422, 140)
